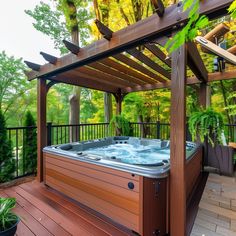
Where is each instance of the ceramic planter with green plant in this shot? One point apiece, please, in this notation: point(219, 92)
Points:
point(121, 125)
point(8, 219)
point(207, 126)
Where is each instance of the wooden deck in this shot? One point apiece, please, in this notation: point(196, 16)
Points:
point(217, 210)
point(45, 212)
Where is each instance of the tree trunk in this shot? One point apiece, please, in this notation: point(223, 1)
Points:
point(74, 116)
point(108, 107)
point(70, 12)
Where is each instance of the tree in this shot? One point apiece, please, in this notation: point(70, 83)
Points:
point(29, 152)
point(74, 15)
point(13, 83)
point(7, 163)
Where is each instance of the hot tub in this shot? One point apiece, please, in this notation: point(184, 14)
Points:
point(123, 178)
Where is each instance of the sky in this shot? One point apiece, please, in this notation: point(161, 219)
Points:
point(18, 37)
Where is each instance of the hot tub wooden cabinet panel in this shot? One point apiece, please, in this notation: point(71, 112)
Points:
point(137, 202)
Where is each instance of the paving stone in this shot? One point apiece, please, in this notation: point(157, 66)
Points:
point(233, 205)
point(218, 210)
point(199, 231)
point(233, 225)
point(214, 219)
point(225, 232)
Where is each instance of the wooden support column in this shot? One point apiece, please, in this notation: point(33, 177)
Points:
point(119, 96)
point(42, 125)
point(204, 95)
point(177, 141)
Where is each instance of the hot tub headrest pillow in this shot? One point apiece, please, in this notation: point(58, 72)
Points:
point(66, 147)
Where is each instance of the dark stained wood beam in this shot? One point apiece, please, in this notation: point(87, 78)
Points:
point(195, 62)
point(51, 59)
point(104, 30)
point(215, 35)
point(42, 126)
point(110, 71)
point(98, 76)
point(178, 143)
point(229, 57)
point(232, 50)
point(133, 64)
point(139, 33)
point(147, 61)
point(159, 7)
point(212, 77)
point(158, 53)
point(219, 31)
point(33, 66)
point(73, 48)
point(126, 70)
point(83, 81)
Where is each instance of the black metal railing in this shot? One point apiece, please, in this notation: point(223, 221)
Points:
point(17, 136)
point(151, 130)
point(58, 134)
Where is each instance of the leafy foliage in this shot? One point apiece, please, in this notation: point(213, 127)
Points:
point(7, 217)
point(232, 9)
point(13, 82)
point(50, 22)
point(56, 23)
point(190, 31)
point(207, 123)
point(29, 152)
point(7, 163)
point(121, 125)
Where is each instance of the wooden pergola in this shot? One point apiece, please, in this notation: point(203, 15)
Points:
point(114, 64)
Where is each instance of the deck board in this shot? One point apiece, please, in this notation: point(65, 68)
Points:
point(217, 211)
point(44, 211)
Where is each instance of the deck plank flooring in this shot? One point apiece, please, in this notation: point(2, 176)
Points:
point(45, 212)
point(217, 209)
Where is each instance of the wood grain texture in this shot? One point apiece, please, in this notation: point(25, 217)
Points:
point(92, 187)
point(44, 211)
point(42, 125)
point(177, 140)
point(192, 171)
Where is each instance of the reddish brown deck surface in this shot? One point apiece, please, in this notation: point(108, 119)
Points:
point(45, 212)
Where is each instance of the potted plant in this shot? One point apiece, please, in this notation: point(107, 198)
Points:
point(207, 126)
point(121, 125)
point(8, 220)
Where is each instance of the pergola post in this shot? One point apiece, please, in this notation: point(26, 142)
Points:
point(177, 140)
point(41, 125)
point(204, 95)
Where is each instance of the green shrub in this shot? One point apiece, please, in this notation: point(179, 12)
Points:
point(29, 151)
point(121, 125)
point(7, 162)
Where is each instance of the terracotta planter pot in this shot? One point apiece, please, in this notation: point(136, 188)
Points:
point(11, 231)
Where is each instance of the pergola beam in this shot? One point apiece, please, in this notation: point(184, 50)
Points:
point(195, 62)
point(133, 64)
point(158, 53)
point(159, 7)
point(84, 81)
point(212, 77)
point(109, 70)
point(33, 66)
point(130, 37)
point(51, 59)
point(216, 50)
point(148, 62)
point(104, 30)
point(126, 70)
point(73, 48)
